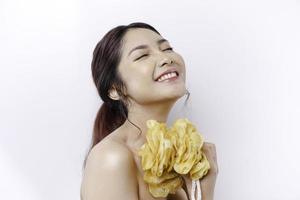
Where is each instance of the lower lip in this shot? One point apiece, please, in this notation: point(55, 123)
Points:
point(169, 80)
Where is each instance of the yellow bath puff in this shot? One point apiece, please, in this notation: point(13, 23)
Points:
point(170, 153)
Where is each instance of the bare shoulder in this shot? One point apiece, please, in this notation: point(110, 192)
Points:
point(109, 153)
point(110, 173)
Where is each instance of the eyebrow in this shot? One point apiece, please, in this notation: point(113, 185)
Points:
point(144, 46)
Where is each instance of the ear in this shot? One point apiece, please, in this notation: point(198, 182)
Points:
point(113, 94)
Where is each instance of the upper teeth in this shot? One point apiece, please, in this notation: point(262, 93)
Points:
point(167, 76)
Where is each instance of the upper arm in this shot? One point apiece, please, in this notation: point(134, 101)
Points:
point(109, 174)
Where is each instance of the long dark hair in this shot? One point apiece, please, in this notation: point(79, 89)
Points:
point(106, 57)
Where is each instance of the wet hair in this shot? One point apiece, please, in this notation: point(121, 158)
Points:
point(106, 57)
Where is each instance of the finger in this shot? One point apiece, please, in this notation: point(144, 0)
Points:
point(209, 150)
point(208, 145)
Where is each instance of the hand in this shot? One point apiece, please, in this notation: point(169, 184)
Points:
point(207, 183)
point(209, 180)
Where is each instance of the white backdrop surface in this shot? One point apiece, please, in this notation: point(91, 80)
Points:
point(243, 65)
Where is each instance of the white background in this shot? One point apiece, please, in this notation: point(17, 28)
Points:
point(243, 68)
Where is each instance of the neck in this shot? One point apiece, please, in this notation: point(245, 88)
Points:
point(139, 114)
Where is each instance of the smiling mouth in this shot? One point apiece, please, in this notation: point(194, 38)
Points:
point(168, 77)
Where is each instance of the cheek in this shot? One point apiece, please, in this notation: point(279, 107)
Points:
point(139, 82)
point(136, 74)
point(179, 60)
point(143, 72)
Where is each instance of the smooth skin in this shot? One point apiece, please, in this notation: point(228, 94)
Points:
point(113, 170)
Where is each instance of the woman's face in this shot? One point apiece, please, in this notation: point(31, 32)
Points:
point(139, 68)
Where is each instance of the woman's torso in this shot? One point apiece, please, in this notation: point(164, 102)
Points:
point(143, 193)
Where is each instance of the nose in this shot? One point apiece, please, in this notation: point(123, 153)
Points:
point(164, 61)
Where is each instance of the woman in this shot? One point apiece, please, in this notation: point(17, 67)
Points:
point(127, 68)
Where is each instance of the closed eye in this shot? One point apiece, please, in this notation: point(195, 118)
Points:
point(170, 48)
point(141, 56)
